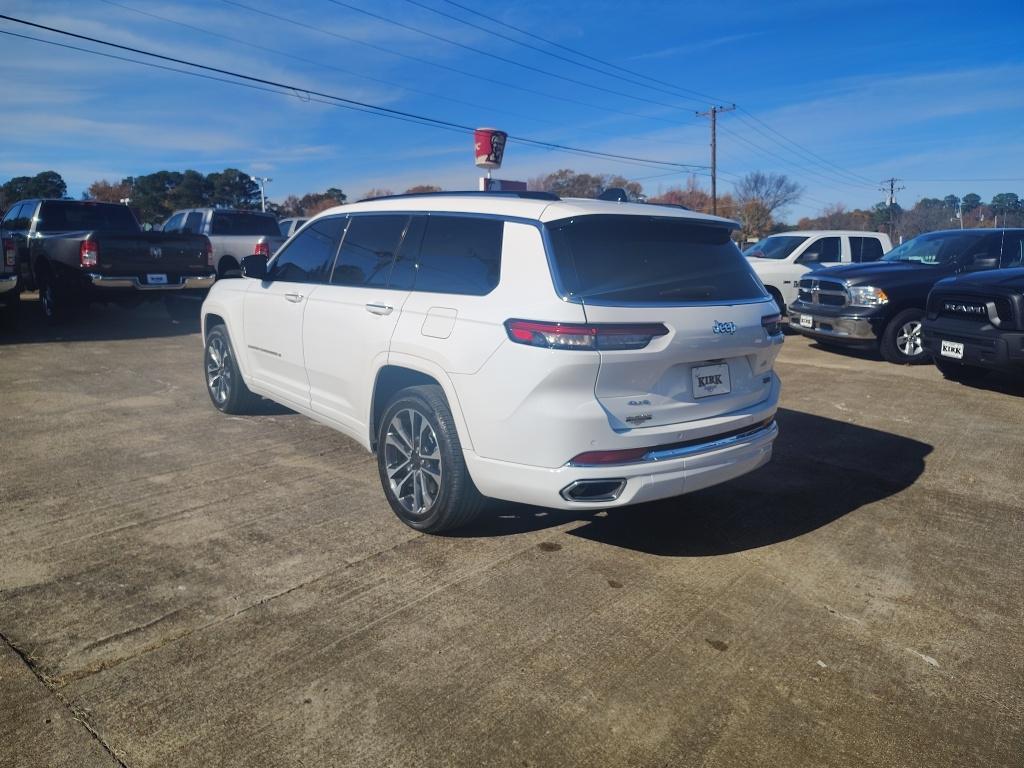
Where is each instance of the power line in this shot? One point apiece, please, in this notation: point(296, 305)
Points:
point(851, 174)
point(456, 70)
point(806, 169)
point(960, 181)
point(602, 71)
point(372, 108)
point(817, 159)
point(295, 57)
point(497, 57)
point(703, 97)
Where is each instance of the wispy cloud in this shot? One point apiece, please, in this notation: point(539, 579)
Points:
point(696, 46)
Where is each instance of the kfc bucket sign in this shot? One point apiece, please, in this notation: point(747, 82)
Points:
point(490, 146)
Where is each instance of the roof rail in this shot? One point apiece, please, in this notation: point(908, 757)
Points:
point(473, 192)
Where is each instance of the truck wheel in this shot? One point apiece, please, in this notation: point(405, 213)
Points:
point(958, 372)
point(56, 301)
point(224, 383)
point(419, 458)
point(901, 341)
point(778, 300)
point(228, 267)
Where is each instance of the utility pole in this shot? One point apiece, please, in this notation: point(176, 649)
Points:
point(262, 181)
point(891, 200)
point(713, 114)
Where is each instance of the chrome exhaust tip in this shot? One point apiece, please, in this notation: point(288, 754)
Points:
point(593, 490)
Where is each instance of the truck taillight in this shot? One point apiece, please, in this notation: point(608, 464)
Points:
point(9, 252)
point(261, 249)
point(208, 249)
point(601, 336)
point(89, 253)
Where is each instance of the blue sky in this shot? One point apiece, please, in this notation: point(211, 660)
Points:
point(921, 91)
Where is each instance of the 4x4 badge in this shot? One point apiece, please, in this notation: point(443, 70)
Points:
point(729, 328)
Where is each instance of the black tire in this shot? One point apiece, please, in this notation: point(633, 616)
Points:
point(960, 373)
point(228, 268)
point(901, 341)
point(778, 301)
point(436, 492)
point(182, 309)
point(55, 299)
point(224, 383)
point(9, 311)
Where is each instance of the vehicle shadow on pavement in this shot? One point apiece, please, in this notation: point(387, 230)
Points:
point(857, 353)
point(99, 322)
point(822, 469)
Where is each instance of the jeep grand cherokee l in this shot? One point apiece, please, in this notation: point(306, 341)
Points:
point(576, 354)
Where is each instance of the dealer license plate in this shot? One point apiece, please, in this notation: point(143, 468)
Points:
point(711, 380)
point(806, 321)
point(154, 279)
point(952, 349)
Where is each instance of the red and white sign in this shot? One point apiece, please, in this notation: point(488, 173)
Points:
point(489, 147)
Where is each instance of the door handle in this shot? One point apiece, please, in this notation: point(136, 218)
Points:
point(379, 309)
point(294, 298)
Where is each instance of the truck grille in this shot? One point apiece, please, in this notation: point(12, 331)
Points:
point(814, 290)
point(972, 308)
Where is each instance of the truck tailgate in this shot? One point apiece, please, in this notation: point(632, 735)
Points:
point(144, 253)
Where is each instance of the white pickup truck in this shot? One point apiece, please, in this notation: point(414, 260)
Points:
point(781, 260)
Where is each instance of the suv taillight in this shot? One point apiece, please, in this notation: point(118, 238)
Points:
point(261, 249)
point(89, 253)
point(772, 324)
point(9, 252)
point(606, 336)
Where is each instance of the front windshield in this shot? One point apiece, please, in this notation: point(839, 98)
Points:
point(938, 248)
point(774, 247)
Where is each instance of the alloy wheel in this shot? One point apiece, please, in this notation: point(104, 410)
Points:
point(218, 369)
point(413, 460)
point(908, 338)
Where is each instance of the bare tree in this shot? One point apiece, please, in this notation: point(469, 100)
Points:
point(760, 196)
point(772, 191)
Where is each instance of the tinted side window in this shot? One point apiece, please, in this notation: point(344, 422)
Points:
point(368, 250)
point(1013, 251)
point(308, 258)
point(865, 249)
point(460, 255)
point(174, 223)
point(826, 250)
point(17, 218)
point(194, 223)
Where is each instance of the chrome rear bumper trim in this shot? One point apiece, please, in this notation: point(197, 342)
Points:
point(197, 282)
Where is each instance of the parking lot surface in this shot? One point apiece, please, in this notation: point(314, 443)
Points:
point(181, 588)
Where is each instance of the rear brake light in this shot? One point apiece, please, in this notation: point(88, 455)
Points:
point(606, 336)
point(624, 456)
point(772, 324)
point(8, 248)
point(261, 249)
point(208, 250)
point(89, 253)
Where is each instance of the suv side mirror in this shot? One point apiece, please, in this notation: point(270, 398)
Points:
point(254, 266)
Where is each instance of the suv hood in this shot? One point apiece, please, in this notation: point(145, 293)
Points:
point(996, 278)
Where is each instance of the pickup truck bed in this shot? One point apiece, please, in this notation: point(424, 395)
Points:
point(74, 252)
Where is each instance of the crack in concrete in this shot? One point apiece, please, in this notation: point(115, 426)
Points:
point(77, 714)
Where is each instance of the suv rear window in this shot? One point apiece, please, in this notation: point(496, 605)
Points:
point(57, 216)
point(238, 223)
point(613, 258)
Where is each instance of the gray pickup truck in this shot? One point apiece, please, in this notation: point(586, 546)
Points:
point(233, 234)
point(75, 251)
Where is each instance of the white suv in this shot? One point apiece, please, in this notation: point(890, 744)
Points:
point(576, 354)
point(781, 260)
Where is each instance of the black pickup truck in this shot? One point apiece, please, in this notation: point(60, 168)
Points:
point(74, 252)
point(975, 323)
point(881, 304)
